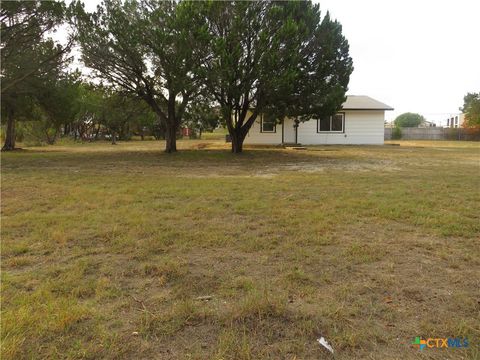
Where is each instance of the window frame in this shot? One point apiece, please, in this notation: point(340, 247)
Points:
point(267, 131)
point(332, 131)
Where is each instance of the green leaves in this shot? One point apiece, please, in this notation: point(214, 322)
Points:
point(29, 58)
point(471, 108)
point(59, 99)
point(279, 58)
point(27, 54)
point(149, 49)
point(409, 120)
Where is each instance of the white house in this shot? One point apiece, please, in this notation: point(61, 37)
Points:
point(426, 124)
point(455, 121)
point(360, 121)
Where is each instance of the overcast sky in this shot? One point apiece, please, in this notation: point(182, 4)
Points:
point(415, 55)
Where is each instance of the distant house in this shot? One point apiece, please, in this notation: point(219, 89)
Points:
point(426, 124)
point(455, 121)
point(423, 124)
point(360, 121)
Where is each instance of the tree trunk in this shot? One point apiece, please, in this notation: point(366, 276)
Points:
point(237, 126)
point(97, 132)
point(171, 139)
point(81, 132)
point(10, 133)
point(237, 141)
point(171, 123)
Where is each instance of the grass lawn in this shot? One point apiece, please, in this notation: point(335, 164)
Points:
point(124, 252)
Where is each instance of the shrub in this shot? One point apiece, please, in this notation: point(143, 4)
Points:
point(409, 120)
point(396, 133)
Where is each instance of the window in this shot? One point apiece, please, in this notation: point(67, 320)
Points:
point(333, 123)
point(268, 125)
point(324, 124)
point(337, 122)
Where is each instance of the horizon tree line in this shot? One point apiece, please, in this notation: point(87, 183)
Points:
point(166, 60)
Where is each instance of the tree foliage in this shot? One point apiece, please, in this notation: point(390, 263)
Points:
point(118, 112)
point(471, 109)
point(181, 59)
point(59, 102)
point(28, 57)
point(201, 117)
point(408, 120)
point(274, 57)
point(145, 48)
point(396, 133)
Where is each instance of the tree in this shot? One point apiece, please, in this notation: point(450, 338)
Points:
point(115, 113)
point(408, 120)
point(271, 57)
point(119, 111)
point(396, 133)
point(59, 101)
point(144, 120)
point(27, 56)
point(324, 69)
point(147, 49)
point(471, 109)
point(87, 121)
point(200, 117)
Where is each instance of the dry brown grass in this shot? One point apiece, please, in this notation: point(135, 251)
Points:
point(109, 251)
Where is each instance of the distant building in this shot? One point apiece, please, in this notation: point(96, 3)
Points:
point(426, 124)
point(423, 124)
point(455, 121)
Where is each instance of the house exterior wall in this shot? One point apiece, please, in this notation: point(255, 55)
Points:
point(255, 136)
point(455, 121)
point(360, 127)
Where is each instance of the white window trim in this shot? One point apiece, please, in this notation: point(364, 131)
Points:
point(331, 131)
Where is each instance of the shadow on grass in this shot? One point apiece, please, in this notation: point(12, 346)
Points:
point(251, 157)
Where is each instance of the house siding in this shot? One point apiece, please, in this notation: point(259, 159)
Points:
point(362, 127)
point(255, 136)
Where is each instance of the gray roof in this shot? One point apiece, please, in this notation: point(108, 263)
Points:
point(362, 102)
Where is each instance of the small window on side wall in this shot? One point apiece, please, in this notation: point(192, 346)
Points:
point(267, 125)
point(333, 123)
